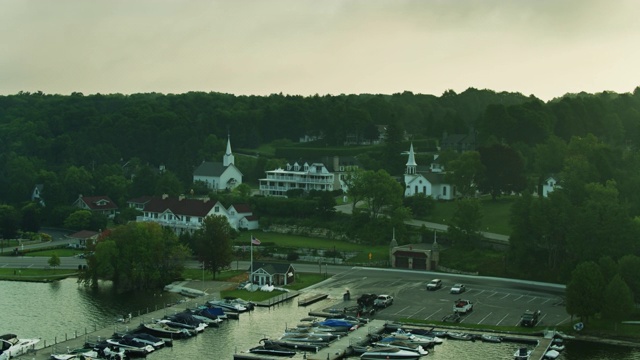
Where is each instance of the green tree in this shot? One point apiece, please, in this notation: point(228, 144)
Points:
point(54, 261)
point(354, 180)
point(213, 243)
point(504, 171)
point(79, 220)
point(243, 190)
point(168, 183)
point(77, 181)
point(31, 214)
point(466, 223)
point(393, 147)
point(629, 268)
point(585, 290)
point(9, 222)
point(138, 255)
point(618, 300)
point(381, 191)
point(465, 172)
point(420, 204)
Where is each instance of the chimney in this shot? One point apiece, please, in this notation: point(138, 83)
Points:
point(181, 197)
point(336, 163)
point(206, 199)
point(165, 196)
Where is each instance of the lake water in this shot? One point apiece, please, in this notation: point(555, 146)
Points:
point(51, 310)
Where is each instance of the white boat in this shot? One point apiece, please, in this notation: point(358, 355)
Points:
point(551, 354)
point(11, 346)
point(229, 305)
point(491, 338)
point(404, 346)
point(522, 354)
point(389, 353)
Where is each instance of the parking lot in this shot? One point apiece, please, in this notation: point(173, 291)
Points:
point(494, 303)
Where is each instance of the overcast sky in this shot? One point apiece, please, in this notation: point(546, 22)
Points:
point(541, 47)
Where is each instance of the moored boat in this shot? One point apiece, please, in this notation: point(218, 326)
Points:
point(551, 354)
point(268, 347)
point(522, 354)
point(403, 345)
point(228, 305)
point(165, 331)
point(389, 353)
point(491, 338)
point(12, 346)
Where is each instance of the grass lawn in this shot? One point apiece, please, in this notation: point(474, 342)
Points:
point(60, 252)
point(31, 274)
point(495, 213)
point(303, 280)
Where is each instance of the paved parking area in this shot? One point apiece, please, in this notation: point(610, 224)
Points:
point(501, 306)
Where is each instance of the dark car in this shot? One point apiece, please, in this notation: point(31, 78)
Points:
point(530, 318)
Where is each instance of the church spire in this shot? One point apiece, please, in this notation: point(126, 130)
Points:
point(411, 163)
point(228, 158)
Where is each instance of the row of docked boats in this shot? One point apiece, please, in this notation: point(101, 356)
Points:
point(310, 334)
point(151, 336)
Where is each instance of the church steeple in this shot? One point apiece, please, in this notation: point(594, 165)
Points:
point(228, 158)
point(411, 163)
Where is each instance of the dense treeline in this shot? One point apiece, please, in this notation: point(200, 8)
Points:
point(114, 145)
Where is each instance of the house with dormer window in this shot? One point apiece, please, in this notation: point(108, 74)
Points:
point(186, 215)
point(97, 204)
point(297, 176)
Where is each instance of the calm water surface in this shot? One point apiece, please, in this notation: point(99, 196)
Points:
point(54, 309)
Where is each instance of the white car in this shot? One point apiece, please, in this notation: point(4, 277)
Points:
point(458, 289)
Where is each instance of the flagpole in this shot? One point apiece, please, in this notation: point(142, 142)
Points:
point(251, 271)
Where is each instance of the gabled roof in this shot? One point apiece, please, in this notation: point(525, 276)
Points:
point(140, 200)
point(99, 202)
point(272, 268)
point(208, 168)
point(242, 208)
point(188, 207)
point(84, 234)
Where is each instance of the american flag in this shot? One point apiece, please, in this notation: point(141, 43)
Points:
point(255, 240)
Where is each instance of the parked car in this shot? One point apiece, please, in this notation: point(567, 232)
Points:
point(458, 289)
point(530, 318)
point(434, 284)
point(383, 301)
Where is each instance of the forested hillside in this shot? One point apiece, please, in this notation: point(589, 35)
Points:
point(115, 144)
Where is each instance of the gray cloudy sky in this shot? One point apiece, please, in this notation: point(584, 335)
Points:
point(541, 47)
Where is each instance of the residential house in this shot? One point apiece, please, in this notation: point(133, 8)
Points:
point(219, 176)
point(422, 180)
point(459, 142)
point(305, 177)
point(186, 215)
point(36, 194)
point(277, 274)
point(341, 166)
point(82, 239)
point(97, 204)
point(549, 185)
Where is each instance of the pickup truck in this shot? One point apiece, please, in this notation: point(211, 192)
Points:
point(383, 301)
point(462, 306)
point(530, 318)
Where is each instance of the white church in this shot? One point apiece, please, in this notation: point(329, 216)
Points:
point(219, 176)
point(426, 180)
